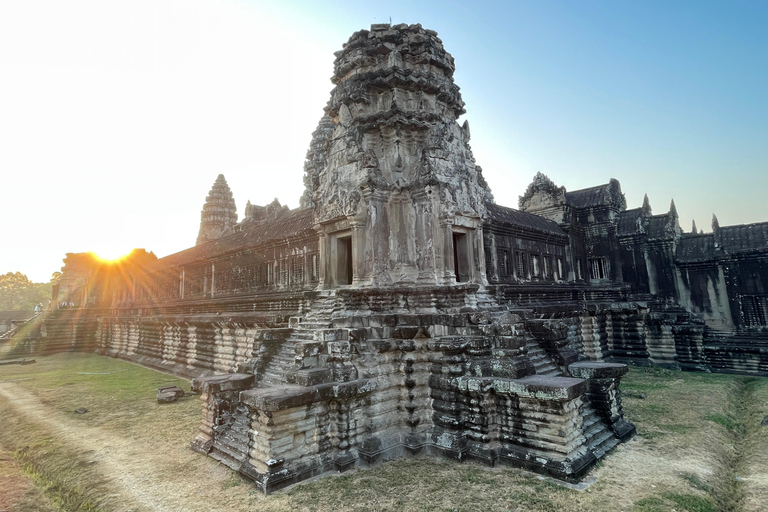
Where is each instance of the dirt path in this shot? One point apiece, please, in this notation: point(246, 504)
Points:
point(144, 476)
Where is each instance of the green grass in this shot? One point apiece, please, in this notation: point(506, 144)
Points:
point(117, 395)
point(686, 417)
point(673, 501)
point(726, 421)
point(697, 483)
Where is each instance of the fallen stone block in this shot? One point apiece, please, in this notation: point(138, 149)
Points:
point(168, 394)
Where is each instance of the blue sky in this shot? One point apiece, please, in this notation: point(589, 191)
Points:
point(116, 117)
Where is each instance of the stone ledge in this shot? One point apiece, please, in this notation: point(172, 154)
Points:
point(228, 382)
point(542, 387)
point(288, 397)
point(595, 370)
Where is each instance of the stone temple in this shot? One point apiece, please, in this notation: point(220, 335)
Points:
point(401, 311)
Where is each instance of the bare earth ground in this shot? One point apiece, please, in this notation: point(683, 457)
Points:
point(135, 453)
point(146, 475)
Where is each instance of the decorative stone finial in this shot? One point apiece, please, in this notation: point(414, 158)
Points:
point(693, 227)
point(672, 209)
point(646, 205)
point(715, 224)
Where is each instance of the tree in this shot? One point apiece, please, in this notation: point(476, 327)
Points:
point(18, 293)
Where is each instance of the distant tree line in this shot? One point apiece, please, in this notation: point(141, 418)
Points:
point(18, 293)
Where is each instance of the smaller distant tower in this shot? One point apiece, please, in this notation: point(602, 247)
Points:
point(219, 212)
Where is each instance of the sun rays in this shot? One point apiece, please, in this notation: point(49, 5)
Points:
point(111, 254)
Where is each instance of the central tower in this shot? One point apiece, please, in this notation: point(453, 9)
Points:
point(396, 194)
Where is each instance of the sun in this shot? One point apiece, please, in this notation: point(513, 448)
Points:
point(111, 254)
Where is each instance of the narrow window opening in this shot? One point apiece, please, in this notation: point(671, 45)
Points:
point(315, 267)
point(755, 309)
point(522, 271)
point(535, 265)
point(598, 268)
point(504, 264)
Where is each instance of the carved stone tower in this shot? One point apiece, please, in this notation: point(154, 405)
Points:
point(397, 196)
point(219, 212)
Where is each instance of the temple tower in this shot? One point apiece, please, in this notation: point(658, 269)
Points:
point(397, 196)
point(219, 212)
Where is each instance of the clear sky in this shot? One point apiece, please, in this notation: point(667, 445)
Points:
point(117, 116)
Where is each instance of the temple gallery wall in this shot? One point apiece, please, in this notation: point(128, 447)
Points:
point(402, 310)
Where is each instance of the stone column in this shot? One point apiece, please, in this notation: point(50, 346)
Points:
point(359, 275)
point(449, 272)
point(376, 235)
point(425, 250)
point(322, 246)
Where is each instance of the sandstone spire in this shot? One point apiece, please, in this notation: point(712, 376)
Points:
point(219, 212)
point(646, 205)
point(390, 160)
point(672, 208)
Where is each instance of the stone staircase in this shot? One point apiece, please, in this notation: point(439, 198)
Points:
point(304, 331)
point(599, 437)
point(230, 445)
point(540, 359)
point(276, 367)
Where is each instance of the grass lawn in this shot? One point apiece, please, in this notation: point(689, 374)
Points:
point(700, 447)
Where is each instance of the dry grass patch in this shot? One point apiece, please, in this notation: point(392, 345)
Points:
point(130, 453)
point(18, 492)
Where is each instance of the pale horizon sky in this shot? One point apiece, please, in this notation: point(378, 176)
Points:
point(116, 117)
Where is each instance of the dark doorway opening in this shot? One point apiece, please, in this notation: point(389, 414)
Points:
point(344, 253)
point(460, 257)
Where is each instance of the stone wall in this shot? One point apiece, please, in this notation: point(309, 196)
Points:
point(370, 384)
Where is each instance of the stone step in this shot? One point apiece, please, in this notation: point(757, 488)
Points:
point(599, 437)
point(284, 361)
point(541, 360)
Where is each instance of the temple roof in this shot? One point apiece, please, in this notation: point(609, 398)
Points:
point(530, 221)
point(731, 239)
point(744, 237)
point(658, 226)
point(695, 248)
point(284, 225)
point(630, 222)
point(608, 194)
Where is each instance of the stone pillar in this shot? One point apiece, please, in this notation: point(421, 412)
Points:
point(378, 224)
point(478, 255)
point(425, 250)
point(359, 274)
point(495, 263)
point(449, 272)
point(322, 245)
